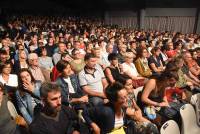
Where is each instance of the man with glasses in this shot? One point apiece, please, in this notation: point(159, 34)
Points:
point(34, 67)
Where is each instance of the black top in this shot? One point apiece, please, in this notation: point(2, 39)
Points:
point(64, 123)
point(103, 116)
point(117, 76)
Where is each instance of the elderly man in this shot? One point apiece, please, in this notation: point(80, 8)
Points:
point(34, 67)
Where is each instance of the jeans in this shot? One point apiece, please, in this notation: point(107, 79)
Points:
point(95, 101)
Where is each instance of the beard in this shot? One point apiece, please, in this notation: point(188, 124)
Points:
point(50, 110)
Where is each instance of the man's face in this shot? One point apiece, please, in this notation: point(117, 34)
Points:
point(110, 49)
point(34, 61)
point(3, 57)
point(91, 63)
point(62, 47)
point(53, 101)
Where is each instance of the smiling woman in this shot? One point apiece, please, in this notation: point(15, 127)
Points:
point(5, 75)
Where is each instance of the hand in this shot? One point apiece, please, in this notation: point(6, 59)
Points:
point(102, 95)
point(84, 99)
point(95, 128)
point(163, 104)
point(20, 121)
point(28, 86)
point(105, 101)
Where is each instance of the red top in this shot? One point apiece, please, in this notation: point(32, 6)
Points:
point(170, 91)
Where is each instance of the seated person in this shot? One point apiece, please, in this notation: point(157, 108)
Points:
point(155, 62)
point(70, 87)
point(130, 70)
point(141, 63)
point(154, 89)
point(54, 118)
point(111, 116)
point(142, 124)
point(34, 67)
point(77, 64)
point(28, 96)
point(115, 71)
point(13, 120)
point(93, 81)
point(192, 64)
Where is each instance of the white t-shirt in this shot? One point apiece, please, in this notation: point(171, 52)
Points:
point(12, 80)
point(130, 69)
point(71, 88)
point(119, 122)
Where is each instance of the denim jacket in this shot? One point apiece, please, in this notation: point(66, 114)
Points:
point(25, 103)
point(65, 90)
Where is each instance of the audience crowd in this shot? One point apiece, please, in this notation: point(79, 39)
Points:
point(72, 75)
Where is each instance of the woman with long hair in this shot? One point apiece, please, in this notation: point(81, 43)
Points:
point(27, 96)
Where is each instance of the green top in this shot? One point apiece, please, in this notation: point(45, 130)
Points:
point(77, 67)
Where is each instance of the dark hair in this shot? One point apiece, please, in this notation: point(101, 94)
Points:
point(153, 50)
point(74, 51)
point(171, 66)
point(140, 52)
point(197, 49)
point(64, 54)
point(41, 49)
point(3, 65)
point(3, 52)
point(61, 65)
point(89, 56)
point(112, 56)
point(48, 87)
point(112, 91)
point(168, 75)
point(20, 79)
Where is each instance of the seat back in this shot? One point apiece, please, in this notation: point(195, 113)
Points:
point(136, 91)
point(170, 127)
point(188, 117)
point(12, 109)
point(196, 103)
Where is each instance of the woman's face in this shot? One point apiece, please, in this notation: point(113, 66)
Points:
point(122, 98)
point(129, 58)
point(22, 55)
point(44, 52)
point(144, 53)
point(25, 76)
point(7, 69)
point(129, 84)
point(114, 62)
point(194, 55)
point(171, 82)
point(69, 45)
point(77, 55)
point(157, 53)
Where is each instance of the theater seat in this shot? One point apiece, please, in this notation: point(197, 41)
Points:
point(195, 100)
point(189, 122)
point(170, 127)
